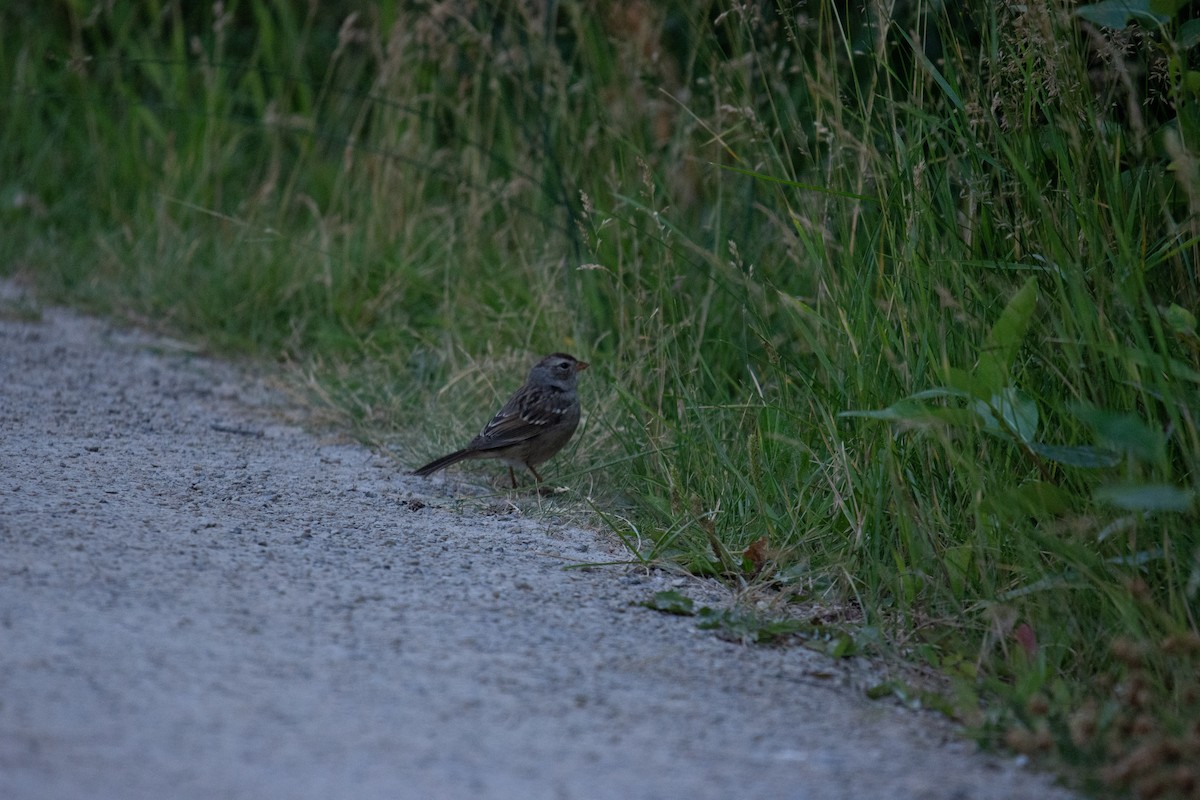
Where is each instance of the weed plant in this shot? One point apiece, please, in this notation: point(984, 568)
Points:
point(888, 307)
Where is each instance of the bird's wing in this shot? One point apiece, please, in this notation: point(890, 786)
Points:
point(525, 415)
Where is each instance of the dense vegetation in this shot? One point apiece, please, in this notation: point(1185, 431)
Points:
point(890, 309)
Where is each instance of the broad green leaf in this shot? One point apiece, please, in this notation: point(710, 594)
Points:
point(671, 602)
point(1189, 35)
point(1178, 318)
point(896, 412)
point(913, 412)
point(936, 393)
point(1041, 498)
point(1146, 496)
point(966, 384)
point(1085, 456)
point(841, 646)
point(1006, 335)
point(1034, 499)
point(1149, 19)
point(1187, 119)
point(900, 411)
point(1191, 82)
point(1125, 432)
point(750, 627)
point(1118, 13)
point(1017, 410)
point(1106, 14)
point(1165, 7)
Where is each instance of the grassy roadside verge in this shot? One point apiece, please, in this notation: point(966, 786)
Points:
point(892, 312)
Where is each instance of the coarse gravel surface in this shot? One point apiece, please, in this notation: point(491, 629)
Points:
point(201, 599)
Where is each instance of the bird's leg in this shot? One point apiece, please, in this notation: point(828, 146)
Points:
point(535, 473)
point(512, 476)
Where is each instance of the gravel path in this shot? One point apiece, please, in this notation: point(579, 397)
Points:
point(199, 600)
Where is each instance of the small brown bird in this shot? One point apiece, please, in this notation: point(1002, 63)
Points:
point(533, 425)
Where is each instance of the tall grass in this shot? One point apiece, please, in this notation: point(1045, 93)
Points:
point(903, 300)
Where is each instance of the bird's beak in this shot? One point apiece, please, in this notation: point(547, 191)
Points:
point(580, 366)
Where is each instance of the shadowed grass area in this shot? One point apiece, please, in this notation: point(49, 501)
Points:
point(885, 312)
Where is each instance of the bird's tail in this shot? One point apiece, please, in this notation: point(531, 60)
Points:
point(443, 462)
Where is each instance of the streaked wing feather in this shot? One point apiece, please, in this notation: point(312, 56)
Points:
point(525, 415)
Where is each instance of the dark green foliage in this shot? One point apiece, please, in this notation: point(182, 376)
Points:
point(896, 313)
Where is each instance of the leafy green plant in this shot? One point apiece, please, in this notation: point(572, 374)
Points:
point(1175, 39)
point(750, 627)
point(994, 404)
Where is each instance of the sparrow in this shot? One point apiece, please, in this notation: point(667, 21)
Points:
point(535, 423)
